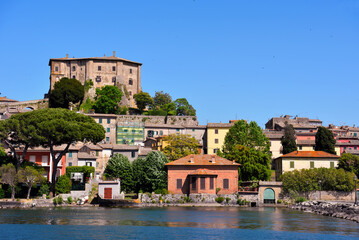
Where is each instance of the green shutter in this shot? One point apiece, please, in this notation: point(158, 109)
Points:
point(311, 164)
point(291, 164)
point(331, 164)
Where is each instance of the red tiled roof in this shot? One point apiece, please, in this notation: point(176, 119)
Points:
point(202, 171)
point(309, 154)
point(5, 99)
point(194, 159)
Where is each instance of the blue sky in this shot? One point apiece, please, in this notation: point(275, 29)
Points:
point(248, 60)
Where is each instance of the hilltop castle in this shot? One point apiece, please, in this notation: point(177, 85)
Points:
point(103, 71)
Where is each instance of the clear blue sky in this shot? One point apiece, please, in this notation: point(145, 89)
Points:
point(248, 60)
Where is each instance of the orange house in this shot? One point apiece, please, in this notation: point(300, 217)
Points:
point(202, 174)
point(41, 156)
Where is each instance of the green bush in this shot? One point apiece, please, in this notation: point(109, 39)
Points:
point(187, 199)
point(2, 193)
point(300, 199)
point(219, 199)
point(60, 200)
point(63, 184)
point(279, 201)
point(163, 191)
point(69, 200)
point(54, 200)
point(228, 199)
point(240, 201)
point(44, 189)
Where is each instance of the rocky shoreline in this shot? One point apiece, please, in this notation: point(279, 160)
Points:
point(342, 210)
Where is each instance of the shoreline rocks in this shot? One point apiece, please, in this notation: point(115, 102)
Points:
point(342, 210)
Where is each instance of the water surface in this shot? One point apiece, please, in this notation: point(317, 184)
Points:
point(173, 222)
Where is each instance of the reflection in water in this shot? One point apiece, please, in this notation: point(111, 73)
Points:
point(266, 219)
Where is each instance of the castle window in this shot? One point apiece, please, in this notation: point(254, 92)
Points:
point(130, 81)
point(114, 79)
point(74, 77)
point(98, 79)
point(99, 68)
point(56, 69)
point(113, 68)
point(130, 71)
point(73, 68)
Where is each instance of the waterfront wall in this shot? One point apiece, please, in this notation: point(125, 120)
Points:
point(332, 196)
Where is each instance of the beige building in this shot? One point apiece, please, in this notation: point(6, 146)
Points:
point(103, 71)
point(216, 133)
point(275, 138)
point(297, 160)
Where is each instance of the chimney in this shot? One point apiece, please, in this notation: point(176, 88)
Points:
point(192, 159)
point(234, 162)
point(114, 53)
point(67, 55)
point(213, 159)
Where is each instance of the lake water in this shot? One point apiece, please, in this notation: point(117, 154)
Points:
point(171, 223)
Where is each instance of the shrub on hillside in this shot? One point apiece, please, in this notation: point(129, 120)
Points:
point(63, 184)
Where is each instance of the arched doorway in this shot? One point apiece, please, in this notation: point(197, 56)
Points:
point(269, 196)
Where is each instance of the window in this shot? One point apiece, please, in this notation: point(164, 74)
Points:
point(56, 69)
point(123, 141)
point(300, 147)
point(314, 148)
point(355, 148)
point(161, 133)
point(97, 153)
point(97, 164)
point(113, 68)
point(211, 183)
point(114, 79)
point(33, 158)
point(107, 139)
point(311, 164)
point(70, 164)
point(98, 79)
point(216, 140)
point(108, 129)
point(73, 77)
point(100, 120)
point(225, 183)
point(203, 183)
point(89, 164)
point(179, 183)
point(194, 183)
point(109, 120)
point(133, 154)
point(99, 68)
point(215, 150)
point(177, 129)
point(70, 154)
point(73, 68)
point(130, 82)
point(291, 164)
point(355, 134)
point(215, 131)
point(44, 160)
point(331, 164)
point(130, 93)
point(133, 130)
point(130, 71)
point(193, 129)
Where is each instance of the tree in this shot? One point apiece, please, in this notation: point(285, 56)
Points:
point(324, 141)
point(63, 184)
point(160, 99)
point(349, 163)
point(180, 145)
point(107, 100)
point(247, 145)
point(9, 176)
point(184, 108)
point(66, 91)
point(248, 135)
point(120, 167)
point(143, 100)
point(288, 140)
point(150, 173)
point(54, 127)
point(30, 176)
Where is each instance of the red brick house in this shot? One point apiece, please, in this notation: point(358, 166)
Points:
point(202, 174)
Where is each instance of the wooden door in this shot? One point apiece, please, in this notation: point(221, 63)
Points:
point(108, 193)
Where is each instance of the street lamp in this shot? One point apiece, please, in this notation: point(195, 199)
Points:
point(355, 190)
point(320, 189)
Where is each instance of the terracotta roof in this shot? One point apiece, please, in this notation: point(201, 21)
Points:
point(109, 58)
point(94, 147)
point(125, 147)
point(305, 133)
point(194, 159)
point(219, 125)
point(5, 99)
point(273, 134)
point(85, 155)
point(309, 154)
point(202, 171)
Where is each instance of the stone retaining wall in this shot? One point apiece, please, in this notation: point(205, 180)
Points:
point(333, 209)
point(332, 196)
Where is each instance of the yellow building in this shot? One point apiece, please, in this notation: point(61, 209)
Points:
point(309, 145)
point(216, 132)
point(297, 160)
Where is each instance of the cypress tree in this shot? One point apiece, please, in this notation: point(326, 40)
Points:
point(288, 140)
point(324, 141)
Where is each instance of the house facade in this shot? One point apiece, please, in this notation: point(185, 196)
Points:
point(297, 160)
point(208, 174)
point(216, 133)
